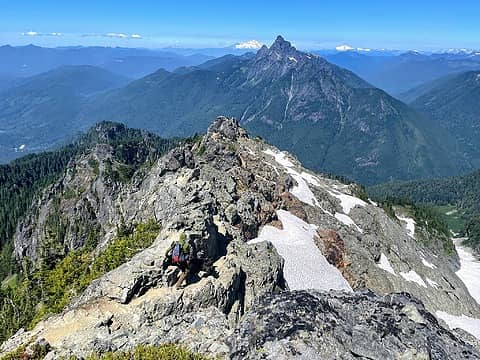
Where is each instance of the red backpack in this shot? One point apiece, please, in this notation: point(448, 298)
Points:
point(177, 253)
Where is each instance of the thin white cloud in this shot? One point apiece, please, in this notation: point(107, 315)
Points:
point(117, 35)
point(34, 33)
point(30, 33)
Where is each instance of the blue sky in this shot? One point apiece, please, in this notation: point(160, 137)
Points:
point(308, 24)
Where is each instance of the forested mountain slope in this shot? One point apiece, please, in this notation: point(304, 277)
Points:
point(454, 105)
point(461, 191)
point(39, 112)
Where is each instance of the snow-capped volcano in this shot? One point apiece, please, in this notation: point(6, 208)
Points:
point(345, 47)
point(251, 44)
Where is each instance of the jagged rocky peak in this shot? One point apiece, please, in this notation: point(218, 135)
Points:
point(229, 128)
point(280, 58)
point(280, 49)
point(282, 45)
point(106, 131)
point(272, 240)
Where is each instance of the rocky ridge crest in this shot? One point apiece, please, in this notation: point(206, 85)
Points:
point(221, 192)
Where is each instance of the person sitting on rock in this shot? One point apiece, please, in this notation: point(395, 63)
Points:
point(178, 254)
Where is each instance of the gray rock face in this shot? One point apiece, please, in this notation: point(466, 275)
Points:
point(314, 325)
point(81, 203)
point(219, 193)
point(228, 128)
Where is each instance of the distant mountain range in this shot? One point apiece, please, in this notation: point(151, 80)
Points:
point(454, 104)
point(41, 111)
point(26, 61)
point(330, 118)
point(235, 49)
point(391, 70)
point(398, 74)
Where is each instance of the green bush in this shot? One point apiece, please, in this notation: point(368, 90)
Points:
point(387, 206)
point(141, 352)
point(36, 352)
point(201, 150)
point(49, 290)
point(162, 352)
point(79, 268)
point(93, 163)
point(472, 230)
point(360, 192)
point(124, 247)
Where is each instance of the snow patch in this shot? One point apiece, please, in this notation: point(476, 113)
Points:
point(410, 225)
point(469, 271)
point(303, 192)
point(384, 264)
point(280, 158)
point(432, 283)
point(273, 166)
point(313, 180)
point(348, 202)
point(291, 58)
point(428, 264)
point(412, 276)
point(305, 266)
point(347, 220)
point(469, 324)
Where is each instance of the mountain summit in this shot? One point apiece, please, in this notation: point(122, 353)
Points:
point(281, 45)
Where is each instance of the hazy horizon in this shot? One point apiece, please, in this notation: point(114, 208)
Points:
point(238, 46)
point(425, 26)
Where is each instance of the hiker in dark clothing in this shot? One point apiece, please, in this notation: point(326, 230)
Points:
point(179, 254)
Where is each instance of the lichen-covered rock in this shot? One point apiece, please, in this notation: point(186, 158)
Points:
point(314, 325)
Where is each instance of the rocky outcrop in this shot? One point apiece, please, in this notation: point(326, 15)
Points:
point(314, 325)
point(198, 315)
point(78, 207)
point(218, 193)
